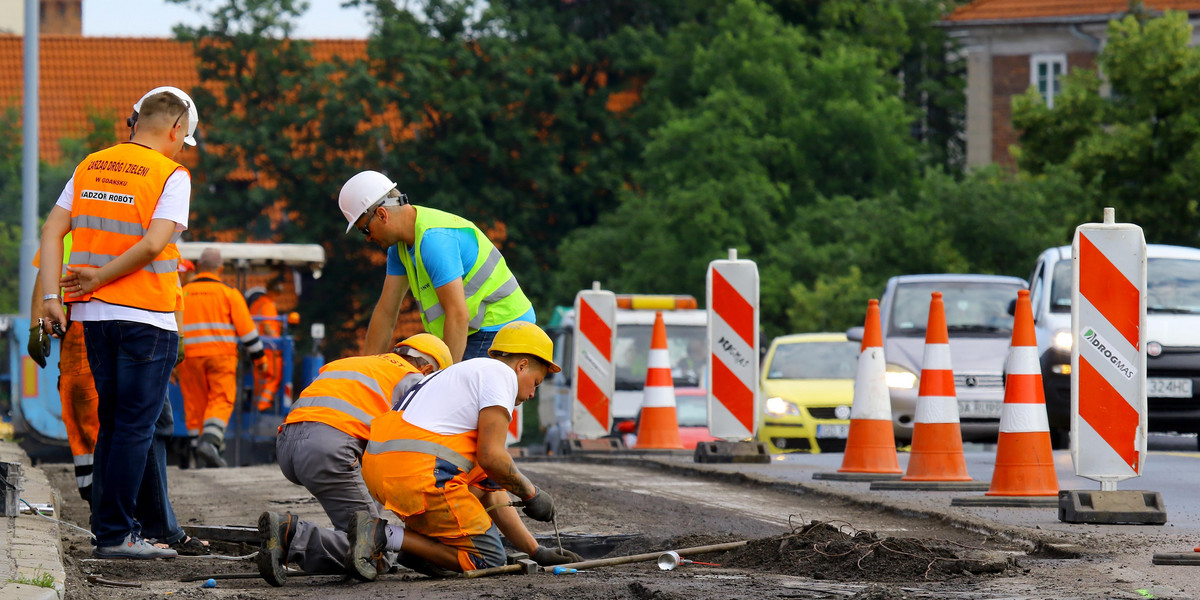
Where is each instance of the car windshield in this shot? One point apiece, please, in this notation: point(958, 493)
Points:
point(975, 309)
point(687, 348)
point(692, 410)
point(814, 360)
point(1172, 286)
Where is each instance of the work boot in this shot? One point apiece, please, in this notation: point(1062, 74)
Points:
point(275, 532)
point(368, 538)
point(208, 455)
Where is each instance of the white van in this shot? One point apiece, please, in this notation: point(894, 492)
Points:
point(1172, 337)
point(687, 326)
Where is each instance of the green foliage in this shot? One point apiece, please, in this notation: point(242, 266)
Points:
point(39, 579)
point(1137, 148)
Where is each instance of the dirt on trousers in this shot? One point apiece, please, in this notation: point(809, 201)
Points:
point(813, 560)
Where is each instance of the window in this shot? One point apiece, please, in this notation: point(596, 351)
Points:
point(1045, 72)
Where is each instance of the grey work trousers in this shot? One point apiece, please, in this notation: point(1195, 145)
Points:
point(328, 462)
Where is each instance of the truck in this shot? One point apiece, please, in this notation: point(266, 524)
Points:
point(687, 326)
point(36, 410)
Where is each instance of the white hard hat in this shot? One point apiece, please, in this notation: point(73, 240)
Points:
point(193, 115)
point(360, 192)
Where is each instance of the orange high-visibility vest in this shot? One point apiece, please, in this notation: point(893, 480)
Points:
point(116, 192)
point(349, 393)
point(263, 306)
point(215, 319)
point(424, 477)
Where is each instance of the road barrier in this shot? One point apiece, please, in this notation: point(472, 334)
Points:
point(733, 315)
point(594, 380)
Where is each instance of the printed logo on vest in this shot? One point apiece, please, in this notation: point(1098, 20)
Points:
point(106, 196)
point(1097, 342)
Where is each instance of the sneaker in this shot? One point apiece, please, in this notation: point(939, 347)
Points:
point(207, 455)
point(368, 538)
point(133, 547)
point(275, 532)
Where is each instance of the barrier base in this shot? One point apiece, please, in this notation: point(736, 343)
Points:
point(1177, 558)
point(932, 486)
point(1136, 507)
point(732, 452)
point(1007, 501)
point(577, 446)
point(835, 476)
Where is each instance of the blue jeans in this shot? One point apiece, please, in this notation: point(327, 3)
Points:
point(478, 344)
point(154, 512)
point(131, 363)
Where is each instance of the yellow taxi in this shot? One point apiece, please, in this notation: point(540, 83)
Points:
point(807, 387)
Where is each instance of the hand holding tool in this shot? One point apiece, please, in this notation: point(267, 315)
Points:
point(540, 506)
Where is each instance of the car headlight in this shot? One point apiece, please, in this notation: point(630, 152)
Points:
point(900, 378)
point(778, 407)
point(1063, 340)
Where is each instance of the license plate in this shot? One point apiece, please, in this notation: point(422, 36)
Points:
point(833, 431)
point(1162, 387)
point(979, 409)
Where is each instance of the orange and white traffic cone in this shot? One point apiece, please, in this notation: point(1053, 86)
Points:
point(1024, 456)
point(659, 426)
point(871, 446)
point(937, 451)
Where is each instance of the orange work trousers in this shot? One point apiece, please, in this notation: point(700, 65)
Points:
point(209, 388)
point(77, 392)
point(266, 384)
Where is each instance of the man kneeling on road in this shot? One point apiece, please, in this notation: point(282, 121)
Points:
point(439, 462)
point(320, 446)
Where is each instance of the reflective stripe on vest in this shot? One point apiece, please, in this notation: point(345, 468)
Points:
point(337, 404)
point(215, 319)
point(421, 447)
point(492, 293)
point(116, 193)
point(350, 392)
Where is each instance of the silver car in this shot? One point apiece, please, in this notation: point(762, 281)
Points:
point(980, 329)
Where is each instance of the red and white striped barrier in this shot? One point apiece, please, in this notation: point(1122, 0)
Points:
point(733, 315)
point(1108, 358)
point(593, 379)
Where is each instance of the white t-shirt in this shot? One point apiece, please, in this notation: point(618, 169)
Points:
point(449, 401)
point(173, 204)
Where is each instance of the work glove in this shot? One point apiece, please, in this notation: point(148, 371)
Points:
point(548, 557)
point(39, 344)
point(539, 507)
point(179, 352)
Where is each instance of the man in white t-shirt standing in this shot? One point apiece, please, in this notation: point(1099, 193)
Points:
point(439, 462)
point(125, 206)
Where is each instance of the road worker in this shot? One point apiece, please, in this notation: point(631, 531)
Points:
point(463, 288)
point(320, 446)
point(125, 206)
point(215, 320)
point(439, 462)
point(262, 303)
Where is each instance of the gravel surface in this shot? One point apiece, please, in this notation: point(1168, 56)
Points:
point(801, 545)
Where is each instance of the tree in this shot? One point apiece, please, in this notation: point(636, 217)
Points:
point(1136, 148)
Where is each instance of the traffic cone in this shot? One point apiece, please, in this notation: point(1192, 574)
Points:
point(1024, 457)
point(659, 426)
point(871, 447)
point(937, 452)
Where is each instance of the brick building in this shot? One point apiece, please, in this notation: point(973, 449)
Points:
point(1011, 45)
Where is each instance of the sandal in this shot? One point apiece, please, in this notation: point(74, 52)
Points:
point(190, 546)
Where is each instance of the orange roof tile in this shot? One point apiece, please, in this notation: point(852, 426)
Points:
point(1019, 10)
point(89, 75)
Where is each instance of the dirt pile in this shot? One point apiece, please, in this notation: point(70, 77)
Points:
point(822, 550)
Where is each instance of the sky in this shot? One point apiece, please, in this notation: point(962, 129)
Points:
point(155, 18)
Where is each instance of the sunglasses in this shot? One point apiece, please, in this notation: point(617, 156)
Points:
point(366, 228)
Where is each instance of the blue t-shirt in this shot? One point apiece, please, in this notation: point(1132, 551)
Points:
point(448, 254)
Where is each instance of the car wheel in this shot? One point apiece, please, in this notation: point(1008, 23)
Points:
point(1060, 439)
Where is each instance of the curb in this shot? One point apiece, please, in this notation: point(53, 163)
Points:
point(31, 544)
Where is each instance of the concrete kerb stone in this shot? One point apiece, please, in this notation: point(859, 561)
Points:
point(31, 544)
point(1037, 541)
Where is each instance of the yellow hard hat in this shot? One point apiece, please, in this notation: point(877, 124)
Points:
point(432, 345)
point(523, 337)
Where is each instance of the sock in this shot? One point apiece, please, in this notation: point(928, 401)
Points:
point(395, 537)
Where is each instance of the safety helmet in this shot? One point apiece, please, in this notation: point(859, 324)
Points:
point(429, 344)
point(362, 191)
point(523, 337)
point(193, 114)
point(185, 266)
